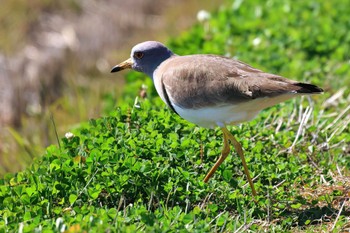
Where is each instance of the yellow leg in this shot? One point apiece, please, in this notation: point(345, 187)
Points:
point(239, 150)
point(225, 151)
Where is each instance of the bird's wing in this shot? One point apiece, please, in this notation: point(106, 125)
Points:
point(198, 81)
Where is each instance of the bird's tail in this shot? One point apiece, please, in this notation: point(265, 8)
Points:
point(305, 88)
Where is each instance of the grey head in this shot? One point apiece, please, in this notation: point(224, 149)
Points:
point(145, 57)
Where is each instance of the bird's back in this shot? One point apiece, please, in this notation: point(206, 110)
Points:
point(197, 81)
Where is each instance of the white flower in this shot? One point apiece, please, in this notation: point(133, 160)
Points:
point(203, 15)
point(256, 41)
point(69, 135)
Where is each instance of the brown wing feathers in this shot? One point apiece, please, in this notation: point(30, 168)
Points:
point(269, 85)
point(239, 83)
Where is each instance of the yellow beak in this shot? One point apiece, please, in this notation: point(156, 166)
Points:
point(122, 66)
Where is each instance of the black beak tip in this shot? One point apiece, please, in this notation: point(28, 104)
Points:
point(115, 69)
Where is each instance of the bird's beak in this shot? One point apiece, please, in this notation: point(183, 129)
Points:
point(122, 66)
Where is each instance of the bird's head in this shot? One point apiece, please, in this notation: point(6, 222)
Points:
point(145, 57)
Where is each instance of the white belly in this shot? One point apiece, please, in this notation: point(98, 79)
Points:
point(211, 117)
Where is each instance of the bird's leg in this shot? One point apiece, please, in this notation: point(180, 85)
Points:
point(239, 150)
point(225, 151)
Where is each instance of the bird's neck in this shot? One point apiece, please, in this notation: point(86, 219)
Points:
point(151, 70)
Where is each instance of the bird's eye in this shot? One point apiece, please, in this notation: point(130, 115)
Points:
point(138, 55)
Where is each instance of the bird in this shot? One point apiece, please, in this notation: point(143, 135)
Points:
point(212, 90)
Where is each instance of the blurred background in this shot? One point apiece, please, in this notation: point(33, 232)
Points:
point(55, 61)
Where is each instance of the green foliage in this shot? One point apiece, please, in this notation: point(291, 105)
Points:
point(141, 168)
